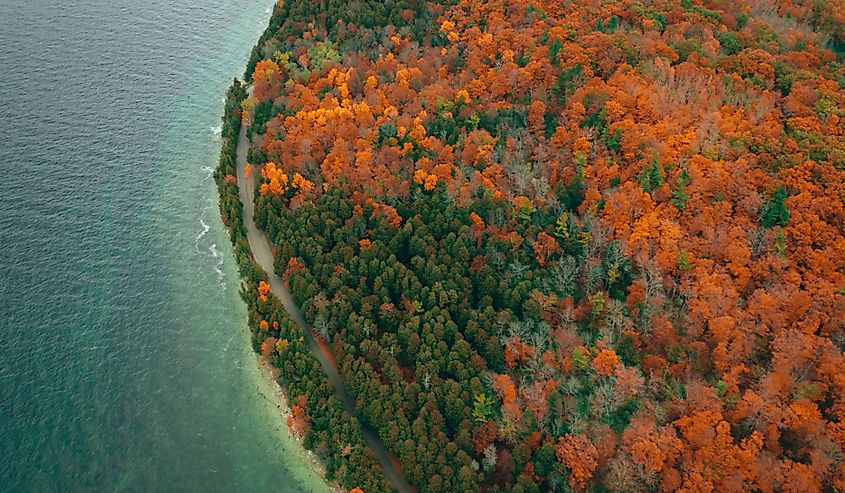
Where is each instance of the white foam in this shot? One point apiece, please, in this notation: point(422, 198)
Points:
point(215, 253)
point(205, 229)
point(211, 251)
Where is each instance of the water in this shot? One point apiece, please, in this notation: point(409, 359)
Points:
point(124, 362)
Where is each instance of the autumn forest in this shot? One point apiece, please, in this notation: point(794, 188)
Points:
point(554, 245)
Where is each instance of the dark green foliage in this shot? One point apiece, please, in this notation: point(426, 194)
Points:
point(595, 120)
point(626, 349)
point(554, 51)
point(426, 264)
point(613, 141)
point(503, 122)
point(774, 213)
point(550, 123)
point(568, 80)
point(230, 204)
point(730, 43)
point(620, 418)
point(386, 131)
point(651, 177)
point(275, 23)
point(609, 27)
point(290, 19)
point(679, 195)
point(263, 113)
point(544, 459)
point(686, 47)
point(571, 194)
point(414, 320)
point(661, 21)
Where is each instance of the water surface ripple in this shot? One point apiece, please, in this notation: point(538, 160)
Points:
point(124, 364)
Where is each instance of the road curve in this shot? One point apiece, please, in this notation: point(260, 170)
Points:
point(259, 244)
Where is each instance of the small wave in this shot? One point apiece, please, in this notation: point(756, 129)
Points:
point(225, 346)
point(218, 269)
point(205, 229)
point(212, 250)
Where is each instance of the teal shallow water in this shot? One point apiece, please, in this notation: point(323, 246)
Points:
point(124, 363)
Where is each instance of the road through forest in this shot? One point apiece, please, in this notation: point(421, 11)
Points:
point(259, 244)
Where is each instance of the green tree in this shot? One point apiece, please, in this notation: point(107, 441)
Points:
point(774, 213)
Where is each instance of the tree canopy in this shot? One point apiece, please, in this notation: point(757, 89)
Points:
point(556, 245)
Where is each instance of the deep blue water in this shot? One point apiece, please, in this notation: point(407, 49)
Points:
point(124, 363)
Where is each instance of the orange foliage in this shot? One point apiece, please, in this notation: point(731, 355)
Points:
point(580, 456)
point(544, 247)
point(298, 419)
point(517, 351)
point(507, 391)
point(276, 180)
point(263, 290)
point(268, 346)
point(605, 362)
point(669, 134)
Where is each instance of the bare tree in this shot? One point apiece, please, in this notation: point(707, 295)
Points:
point(323, 328)
point(490, 457)
point(561, 277)
point(518, 269)
point(615, 320)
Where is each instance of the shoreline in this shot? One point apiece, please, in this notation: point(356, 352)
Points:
point(261, 377)
point(280, 399)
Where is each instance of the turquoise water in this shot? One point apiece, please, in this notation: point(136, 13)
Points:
point(124, 363)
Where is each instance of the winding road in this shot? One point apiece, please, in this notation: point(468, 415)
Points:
point(259, 244)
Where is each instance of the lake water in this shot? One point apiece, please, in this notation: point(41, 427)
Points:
point(124, 360)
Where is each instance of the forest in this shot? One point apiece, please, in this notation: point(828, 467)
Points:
point(555, 245)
